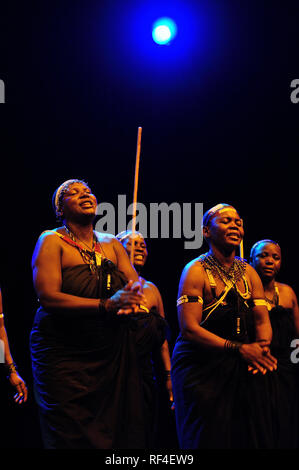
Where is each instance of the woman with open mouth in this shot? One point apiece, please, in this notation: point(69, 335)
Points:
point(91, 340)
point(222, 361)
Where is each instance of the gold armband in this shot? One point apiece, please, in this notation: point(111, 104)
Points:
point(259, 302)
point(1, 315)
point(188, 299)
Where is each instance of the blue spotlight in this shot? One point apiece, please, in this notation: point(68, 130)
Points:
point(164, 31)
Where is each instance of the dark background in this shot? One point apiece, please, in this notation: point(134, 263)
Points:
point(218, 126)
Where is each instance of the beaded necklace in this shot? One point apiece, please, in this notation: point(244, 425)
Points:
point(232, 274)
point(230, 278)
point(275, 300)
point(89, 256)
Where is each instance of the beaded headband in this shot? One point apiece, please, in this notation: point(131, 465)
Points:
point(258, 243)
point(211, 212)
point(126, 234)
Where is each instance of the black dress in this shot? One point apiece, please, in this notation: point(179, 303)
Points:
point(92, 372)
point(218, 403)
point(285, 381)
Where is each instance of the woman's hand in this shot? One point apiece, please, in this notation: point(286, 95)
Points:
point(127, 300)
point(258, 357)
point(19, 385)
point(169, 390)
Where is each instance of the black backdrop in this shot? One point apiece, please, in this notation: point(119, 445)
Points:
point(218, 126)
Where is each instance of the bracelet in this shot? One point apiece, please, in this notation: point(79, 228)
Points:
point(167, 374)
point(232, 346)
point(11, 368)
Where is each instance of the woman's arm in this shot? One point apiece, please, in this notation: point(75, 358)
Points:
point(47, 279)
point(3, 336)
point(165, 356)
point(295, 309)
point(164, 348)
point(263, 330)
point(190, 314)
point(16, 381)
point(263, 327)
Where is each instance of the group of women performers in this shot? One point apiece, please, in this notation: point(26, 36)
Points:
point(231, 381)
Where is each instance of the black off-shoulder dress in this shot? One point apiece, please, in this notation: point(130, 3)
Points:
point(92, 373)
point(218, 403)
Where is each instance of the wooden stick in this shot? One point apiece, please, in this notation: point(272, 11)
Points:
point(241, 249)
point(135, 191)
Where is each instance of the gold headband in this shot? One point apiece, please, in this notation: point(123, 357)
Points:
point(59, 190)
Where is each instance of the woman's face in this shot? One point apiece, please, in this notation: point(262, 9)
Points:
point(266, 260)
point(78, 201)
point(140, 250)
point(225, 229)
